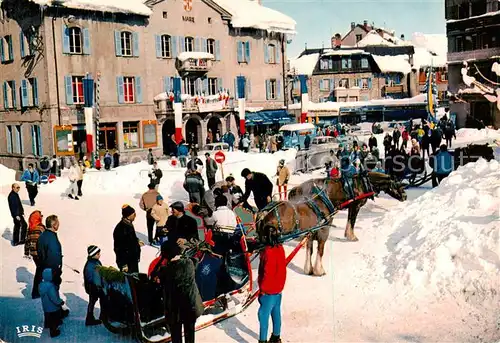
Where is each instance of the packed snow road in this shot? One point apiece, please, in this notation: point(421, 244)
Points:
point(425, 270)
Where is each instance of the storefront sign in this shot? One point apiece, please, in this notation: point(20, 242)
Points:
point(149, 133)
point(186, 18)
point(211, 107)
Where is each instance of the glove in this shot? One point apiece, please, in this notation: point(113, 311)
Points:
point(125, 268)
point(28, 257)
point(18, 218)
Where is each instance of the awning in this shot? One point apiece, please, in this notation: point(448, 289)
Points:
point(267, 117)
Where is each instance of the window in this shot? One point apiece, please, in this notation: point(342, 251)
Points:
point(324, 85)
point(190, 86)
point(342, 99)
point(166, 44)
point(27, 43)
point(77, 88)
point(353, 98)
point(126, 43)
point(323, 64)
point(344, 83)
point(165, 15)
point(9, 94)
point(271, 48)
point(346, 63)
point(131, 135)
point(358, 38)
point(10, 138)
point(211, 46)
point(149, 133)
point(212, 86)
point(444, 76)
point(459, 44)
point(75, 40)
point(364, 63)
point(36, 140)
point(189, 44)
point(243, 52)
point(272, 89)
point(364, 83)
point(29, 92)
point(6, 49)
point(128, 90)
point(19, 139)
point(209, 20)
point(107, 136)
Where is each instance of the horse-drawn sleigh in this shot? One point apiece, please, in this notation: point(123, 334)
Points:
point(133, 304)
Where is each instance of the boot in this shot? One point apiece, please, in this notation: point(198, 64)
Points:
point(91, 321)
point(54, 332)
point(275, 339)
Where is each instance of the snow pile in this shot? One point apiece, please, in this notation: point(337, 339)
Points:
point(398, 63)
point(113, 6)
point(7, 176)
point(475, 135)
point(448, 240)
point(304, 65)
point(247, 13)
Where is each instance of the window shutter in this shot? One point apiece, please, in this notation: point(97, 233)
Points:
point(332, 84)
point(2, 55)
point(266, 53)
point(24, 94)
point(182, 43)
point(65, 39)
point(119, 89)
point(204, 47)
point(247, 52)
point(33, 140)
point(197, 44)
point(239, 50)
point(118, 43)
point(220, 85)
point(5, 96)
point(236, 95)
point(166, 84)
point(138, 90)
point(278, 88)
point(249, 88)
point(11, 50)
point(369, 83)
point(39, 141)
point(86, 41)
point(35, 91)
point(158, 46)
point(135, 44)
point(205, 85)
point(278, 55)
point(217, 50)
point(321, 84)
point(21, 44)
point(8, 135)
point(69, 89)
point(174, 46)
point(268, 89)
point(14, 94)
point(19, 139)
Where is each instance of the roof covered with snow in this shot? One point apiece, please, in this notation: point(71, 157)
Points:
point(398, 63)
point(429, 49)
point(113, 6)
point(374, 38)
point(305, 64)
point(250, 14)
point(340, 52)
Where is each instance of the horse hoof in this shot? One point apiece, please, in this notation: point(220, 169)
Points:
point(354, 239)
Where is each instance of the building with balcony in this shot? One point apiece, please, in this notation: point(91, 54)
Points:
point(473, 37)
point(58, 59)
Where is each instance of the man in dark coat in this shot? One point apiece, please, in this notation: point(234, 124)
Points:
point(194, 163)
point(17, 213)
point(181, 227)
point(126, 244)
point(387, 143)
point(372, 142)
point(260, 185)
point(449, 132)
point(155, 175)
point(211, 170)
point(195, 186)
point(396, 135)
point(436, 137)
point(307, 142)
point(426, 142)
point(49, 249)
point(183, 303)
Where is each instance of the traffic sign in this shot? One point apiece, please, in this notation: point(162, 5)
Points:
point(220, 157)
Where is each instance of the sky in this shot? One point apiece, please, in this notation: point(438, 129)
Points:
point(318, 20)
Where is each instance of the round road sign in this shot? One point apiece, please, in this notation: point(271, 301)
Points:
point(220, 157)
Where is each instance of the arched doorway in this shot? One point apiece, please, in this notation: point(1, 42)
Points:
point(193, 132)
point(168, 130)
point(214, 125)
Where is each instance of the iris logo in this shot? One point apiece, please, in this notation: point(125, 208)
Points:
point(29, 331)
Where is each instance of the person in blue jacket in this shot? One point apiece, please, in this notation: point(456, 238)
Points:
point(183, 152)
point(51, 303)
point(348, 171)
point(92, 283)
point(49, 249)
point(442, 165)
point(32, 179)
point(230, 139)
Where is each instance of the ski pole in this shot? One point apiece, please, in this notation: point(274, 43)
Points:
point(73, 269)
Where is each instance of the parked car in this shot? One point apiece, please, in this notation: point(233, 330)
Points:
point(213, 148)
point(324, 142)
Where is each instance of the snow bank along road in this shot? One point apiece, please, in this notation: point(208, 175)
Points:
point(426, 270)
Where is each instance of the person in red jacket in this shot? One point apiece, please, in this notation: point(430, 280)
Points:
point(405, 137)
point(272, 277)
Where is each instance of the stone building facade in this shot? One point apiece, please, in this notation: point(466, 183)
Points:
point(57, 60)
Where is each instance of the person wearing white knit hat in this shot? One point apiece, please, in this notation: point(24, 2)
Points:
point(91, 281)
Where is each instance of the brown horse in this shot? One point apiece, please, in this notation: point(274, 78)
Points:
point(298, 212)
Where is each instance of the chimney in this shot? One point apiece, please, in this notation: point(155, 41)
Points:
point(353, 25)
point(365, 23)
point(336, 41)
point(402, 37)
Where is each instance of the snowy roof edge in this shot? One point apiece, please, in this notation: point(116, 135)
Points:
point(136, 7)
